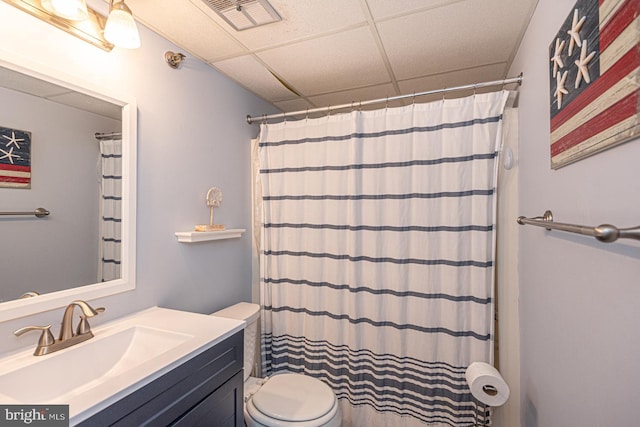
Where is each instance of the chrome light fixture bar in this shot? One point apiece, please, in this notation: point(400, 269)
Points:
point(89, 30)
point(119, 29)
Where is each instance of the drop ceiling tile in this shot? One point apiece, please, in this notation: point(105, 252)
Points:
point(384, 8)
point(354, 96)
point(300, 19)
point(298, 104)
point(333, 63)
point(452, 37)
point(185, 25)
point(454, 78)
point(251, 74)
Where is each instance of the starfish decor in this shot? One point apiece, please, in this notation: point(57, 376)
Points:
point(560, 89)
point(574, 32)
point(9, 155)
point(590, 78)
point(583, 71)
point(557, 57)
point(13, 140)
point(15, 158)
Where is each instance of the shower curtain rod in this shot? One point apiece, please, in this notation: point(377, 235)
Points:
point(329, 109)
point(100, 136)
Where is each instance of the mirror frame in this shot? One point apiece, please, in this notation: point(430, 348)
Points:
point(10, 310)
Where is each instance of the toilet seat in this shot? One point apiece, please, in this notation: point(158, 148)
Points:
point(293, 400)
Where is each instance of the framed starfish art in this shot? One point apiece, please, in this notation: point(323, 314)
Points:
point(15, 158)
point(594, 79)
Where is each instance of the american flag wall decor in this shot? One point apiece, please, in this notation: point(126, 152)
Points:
point(594, 76)
point(15, 158)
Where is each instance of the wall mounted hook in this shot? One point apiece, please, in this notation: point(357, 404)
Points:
point(173, 59)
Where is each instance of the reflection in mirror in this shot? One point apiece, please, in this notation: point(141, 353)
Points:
point(69, 149)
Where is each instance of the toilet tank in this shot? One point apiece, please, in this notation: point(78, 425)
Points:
point(250, 313)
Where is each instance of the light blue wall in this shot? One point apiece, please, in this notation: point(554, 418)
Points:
point(192, 135)
point(579, 313)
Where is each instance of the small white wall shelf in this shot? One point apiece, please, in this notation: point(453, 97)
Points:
point(204, 236)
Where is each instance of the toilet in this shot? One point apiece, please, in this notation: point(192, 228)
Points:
point(283, 400)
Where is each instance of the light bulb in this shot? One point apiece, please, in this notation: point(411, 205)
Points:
point(75, 10)
point(121, 28)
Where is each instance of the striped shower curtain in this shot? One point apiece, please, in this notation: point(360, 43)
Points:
point(377, 247)
point(110, 209)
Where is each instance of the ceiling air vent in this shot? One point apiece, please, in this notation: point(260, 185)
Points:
point(244, 14)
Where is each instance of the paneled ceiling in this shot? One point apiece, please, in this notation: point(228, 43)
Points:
point(329, 52)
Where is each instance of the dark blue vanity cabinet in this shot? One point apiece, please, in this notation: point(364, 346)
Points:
point(204, 391)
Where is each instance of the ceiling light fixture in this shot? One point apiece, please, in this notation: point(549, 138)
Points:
point(121, 28)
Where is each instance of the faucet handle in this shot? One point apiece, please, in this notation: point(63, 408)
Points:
point(46, 338)
point(83, 326)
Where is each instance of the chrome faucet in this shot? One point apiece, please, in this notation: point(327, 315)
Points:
point(48, 344)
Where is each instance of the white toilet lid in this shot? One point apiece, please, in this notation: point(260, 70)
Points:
point(294, 397)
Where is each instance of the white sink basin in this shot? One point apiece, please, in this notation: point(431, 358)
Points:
point(123, 356)
point(69, 372)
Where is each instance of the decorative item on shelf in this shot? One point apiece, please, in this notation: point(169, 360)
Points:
point(214, 199)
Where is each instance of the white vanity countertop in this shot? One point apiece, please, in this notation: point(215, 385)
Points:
point(125, 355)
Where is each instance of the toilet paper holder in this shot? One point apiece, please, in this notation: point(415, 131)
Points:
point(483, 414)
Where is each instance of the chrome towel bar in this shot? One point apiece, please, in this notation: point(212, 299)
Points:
point(40, 212)
point(605, 233)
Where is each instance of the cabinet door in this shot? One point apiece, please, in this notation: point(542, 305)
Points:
point(222, 408)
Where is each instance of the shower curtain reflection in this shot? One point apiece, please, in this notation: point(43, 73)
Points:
point(110, 209)
point(377, 255)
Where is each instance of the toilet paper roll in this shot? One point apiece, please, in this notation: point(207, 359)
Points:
point(486, 384)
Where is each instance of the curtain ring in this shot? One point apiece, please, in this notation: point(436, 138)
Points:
point(306, 116)
point(360, 108)
point(475, 87)
point(386, 104)
point(413, 99)
point(444, 91)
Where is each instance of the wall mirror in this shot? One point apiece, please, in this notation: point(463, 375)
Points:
point(85, 248)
